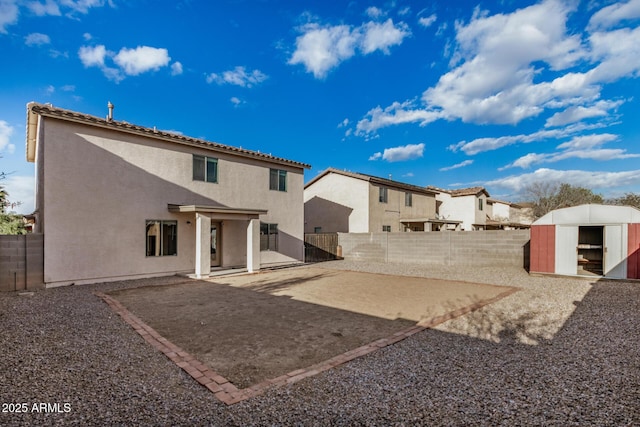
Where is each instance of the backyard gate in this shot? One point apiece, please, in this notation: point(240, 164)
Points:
point(21, 262)
point(320, 247)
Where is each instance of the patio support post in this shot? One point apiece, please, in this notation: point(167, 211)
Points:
point(203, 246)
point(253, 245)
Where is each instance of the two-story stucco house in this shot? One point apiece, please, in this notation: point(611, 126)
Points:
point(340, 201)
point(467, 205)
point(117, 201)
point(503, 215)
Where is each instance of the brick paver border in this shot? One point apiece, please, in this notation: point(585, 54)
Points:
point(229, 394)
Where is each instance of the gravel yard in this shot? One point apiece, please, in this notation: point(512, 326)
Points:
point(560, 352)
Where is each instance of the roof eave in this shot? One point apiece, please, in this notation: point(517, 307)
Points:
point(125, 127)
point(32, 132)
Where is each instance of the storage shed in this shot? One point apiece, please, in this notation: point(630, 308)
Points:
point(592, 240)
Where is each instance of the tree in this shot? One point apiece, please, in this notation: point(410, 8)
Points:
point(546, 196)
point(542, 197)
point(10, 223)
point(629, 199)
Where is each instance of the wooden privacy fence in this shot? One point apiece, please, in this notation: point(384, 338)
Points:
point(21, 262)
point(320, 247)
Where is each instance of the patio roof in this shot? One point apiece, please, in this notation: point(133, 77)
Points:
point(222, 212)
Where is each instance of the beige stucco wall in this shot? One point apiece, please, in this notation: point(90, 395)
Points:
point(98, 187)
point(390, 213)
point(501, 211)
point(337, 203)
point(461, 208)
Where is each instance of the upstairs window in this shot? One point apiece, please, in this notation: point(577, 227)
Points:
point(162, 238)
point(386, 228)
point(480, 204)
point(205, 169)
point(383, 195)
point(277, 180)
point(408, 199)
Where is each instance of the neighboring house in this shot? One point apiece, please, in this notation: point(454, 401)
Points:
point(505, 216)
point(340, 201)
point(467, 205)
point(118, 201)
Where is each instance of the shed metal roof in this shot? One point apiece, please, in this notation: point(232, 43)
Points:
point(590, 214)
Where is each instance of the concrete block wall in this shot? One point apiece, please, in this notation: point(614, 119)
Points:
point(495, 247)
point(21, 262)
point(364, 246)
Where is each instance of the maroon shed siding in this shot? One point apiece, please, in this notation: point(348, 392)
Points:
point(633, 252)
point(543, 248)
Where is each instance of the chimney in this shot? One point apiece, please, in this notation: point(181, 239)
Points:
point(110, 116)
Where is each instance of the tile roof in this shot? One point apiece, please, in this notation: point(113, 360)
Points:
point(375, 180)
point(471, 191)
point(48, 110)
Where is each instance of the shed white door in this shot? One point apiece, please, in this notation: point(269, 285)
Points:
point(567, 249)
point(615, 264)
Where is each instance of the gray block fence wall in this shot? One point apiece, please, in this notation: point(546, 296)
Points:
point(494, 247)
point(21, 262)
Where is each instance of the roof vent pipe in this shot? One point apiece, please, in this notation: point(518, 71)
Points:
point(110, 116)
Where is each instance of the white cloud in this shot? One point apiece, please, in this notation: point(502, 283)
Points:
point(480, 145)
point(142, 59)
point(394, 114)
point(322, 48)
point(494, 81)
point(37, 39)
point(593, 154)
point(176, 68)
point(87, 36)
point(595, 179)
point(400, 154)
point(427, 21)
point(526, 161)
point(236, 101)
point(579, 147)
point(93, 56)
point(588, 141)
point(374, 12)
point(49, 7)
point(5, 135)
point(382, 36)
point(615, 13)
point(8, 14)
point(83, 6)
point(21, 189)
point(618, 53)
point(404, 11)
point(578, 113)
point(130, 62)
point(239, 77)
point(457, 165)
point(343, 123)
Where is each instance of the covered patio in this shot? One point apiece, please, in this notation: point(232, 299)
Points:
point(209, 221)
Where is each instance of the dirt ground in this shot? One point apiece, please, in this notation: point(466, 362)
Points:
point(252, 327)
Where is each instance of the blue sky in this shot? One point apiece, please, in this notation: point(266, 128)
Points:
point(452, 94)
